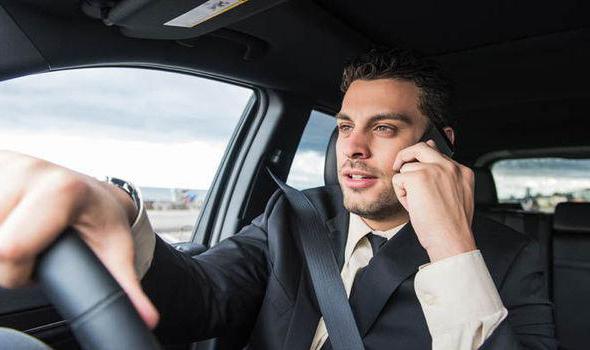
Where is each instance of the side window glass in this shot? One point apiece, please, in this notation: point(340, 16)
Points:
point(307, 170)
point(165, 132)
point(539, 184)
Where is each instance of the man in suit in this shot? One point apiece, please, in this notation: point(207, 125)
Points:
point(420, 270)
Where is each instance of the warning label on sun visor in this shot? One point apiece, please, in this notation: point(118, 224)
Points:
point(203, 13)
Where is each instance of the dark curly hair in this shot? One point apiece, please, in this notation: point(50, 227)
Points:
point(406, 65)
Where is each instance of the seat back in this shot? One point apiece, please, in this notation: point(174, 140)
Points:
point(485, 195)
point(571, 274)
point(535, 225)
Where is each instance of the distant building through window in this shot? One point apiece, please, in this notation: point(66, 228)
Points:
point(539, 184)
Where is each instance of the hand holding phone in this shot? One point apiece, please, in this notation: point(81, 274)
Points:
point(437, 193)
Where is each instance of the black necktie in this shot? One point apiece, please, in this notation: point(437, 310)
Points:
point(377, 243)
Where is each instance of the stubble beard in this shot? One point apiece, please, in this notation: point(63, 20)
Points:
point(385, 206)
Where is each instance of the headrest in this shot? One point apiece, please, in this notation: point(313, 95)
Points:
point(572, 217)
point(331, 166)
point(485, 188)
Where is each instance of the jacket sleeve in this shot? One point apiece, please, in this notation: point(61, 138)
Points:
point(215, 293)
point(529, 324)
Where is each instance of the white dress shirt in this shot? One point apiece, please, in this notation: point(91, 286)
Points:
point(458, 297)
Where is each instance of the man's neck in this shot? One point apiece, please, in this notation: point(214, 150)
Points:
point(388, 223)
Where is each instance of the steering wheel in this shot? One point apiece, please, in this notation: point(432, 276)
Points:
point(98, 311)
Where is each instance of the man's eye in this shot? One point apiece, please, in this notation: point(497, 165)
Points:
point(385, 129)
point(344, 128)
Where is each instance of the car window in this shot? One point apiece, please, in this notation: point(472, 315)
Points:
point(539, 184)
point(307, 170)
point(163, 131)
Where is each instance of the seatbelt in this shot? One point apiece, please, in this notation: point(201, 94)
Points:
point(322, 266)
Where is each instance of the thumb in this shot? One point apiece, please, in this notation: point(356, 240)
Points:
point(400, 191)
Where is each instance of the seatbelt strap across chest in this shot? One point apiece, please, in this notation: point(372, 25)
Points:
point(323, 269)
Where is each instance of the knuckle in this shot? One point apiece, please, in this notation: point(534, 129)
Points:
point(424, 174)
point(15, 275)
point(437, 170)
point(11, 282)
point(468, 173)
point(11, 251)
point(67, 183)
point(405, 167)
point(456, 169)
point(23, 166)
point(401, 154)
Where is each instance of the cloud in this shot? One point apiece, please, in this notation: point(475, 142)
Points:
point(130, 103)
point(307, 170)
point(317, 132)
point(151, 127)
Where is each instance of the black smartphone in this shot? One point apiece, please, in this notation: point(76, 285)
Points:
point(438, 136)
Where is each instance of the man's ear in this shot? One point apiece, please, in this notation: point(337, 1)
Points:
point(450, 133)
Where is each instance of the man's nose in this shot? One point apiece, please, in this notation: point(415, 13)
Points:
point(356, 146)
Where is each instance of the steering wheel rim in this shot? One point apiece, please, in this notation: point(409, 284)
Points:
point(82, 290)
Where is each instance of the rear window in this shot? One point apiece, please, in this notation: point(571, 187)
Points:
point(539, 184)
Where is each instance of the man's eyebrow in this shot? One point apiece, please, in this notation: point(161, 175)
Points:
point(342, 116)
point(391, 116)
point(380, 117)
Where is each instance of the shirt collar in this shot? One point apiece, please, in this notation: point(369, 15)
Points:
point(357, 229)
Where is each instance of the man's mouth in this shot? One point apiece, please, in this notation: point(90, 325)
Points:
point(357, 180)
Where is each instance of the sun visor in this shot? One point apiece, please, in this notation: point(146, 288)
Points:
point(176, 20)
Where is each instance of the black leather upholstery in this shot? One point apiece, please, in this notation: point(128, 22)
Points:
point(572, 217)
point(485, 188)
point(331, 166)
point(571, 274)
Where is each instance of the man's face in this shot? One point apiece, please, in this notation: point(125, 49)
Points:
point(378, 118)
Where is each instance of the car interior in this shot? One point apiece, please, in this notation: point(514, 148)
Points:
point(520, 71)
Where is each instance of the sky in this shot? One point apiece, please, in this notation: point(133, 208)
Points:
point(307, 169)
point(150, 127)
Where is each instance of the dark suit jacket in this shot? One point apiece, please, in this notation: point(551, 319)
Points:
point(255, 289)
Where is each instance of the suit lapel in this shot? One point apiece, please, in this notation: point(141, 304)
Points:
point(399, 259)
point(338, 231)
point(306, 314)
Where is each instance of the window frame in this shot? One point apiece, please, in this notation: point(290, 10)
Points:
point(488, 159)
